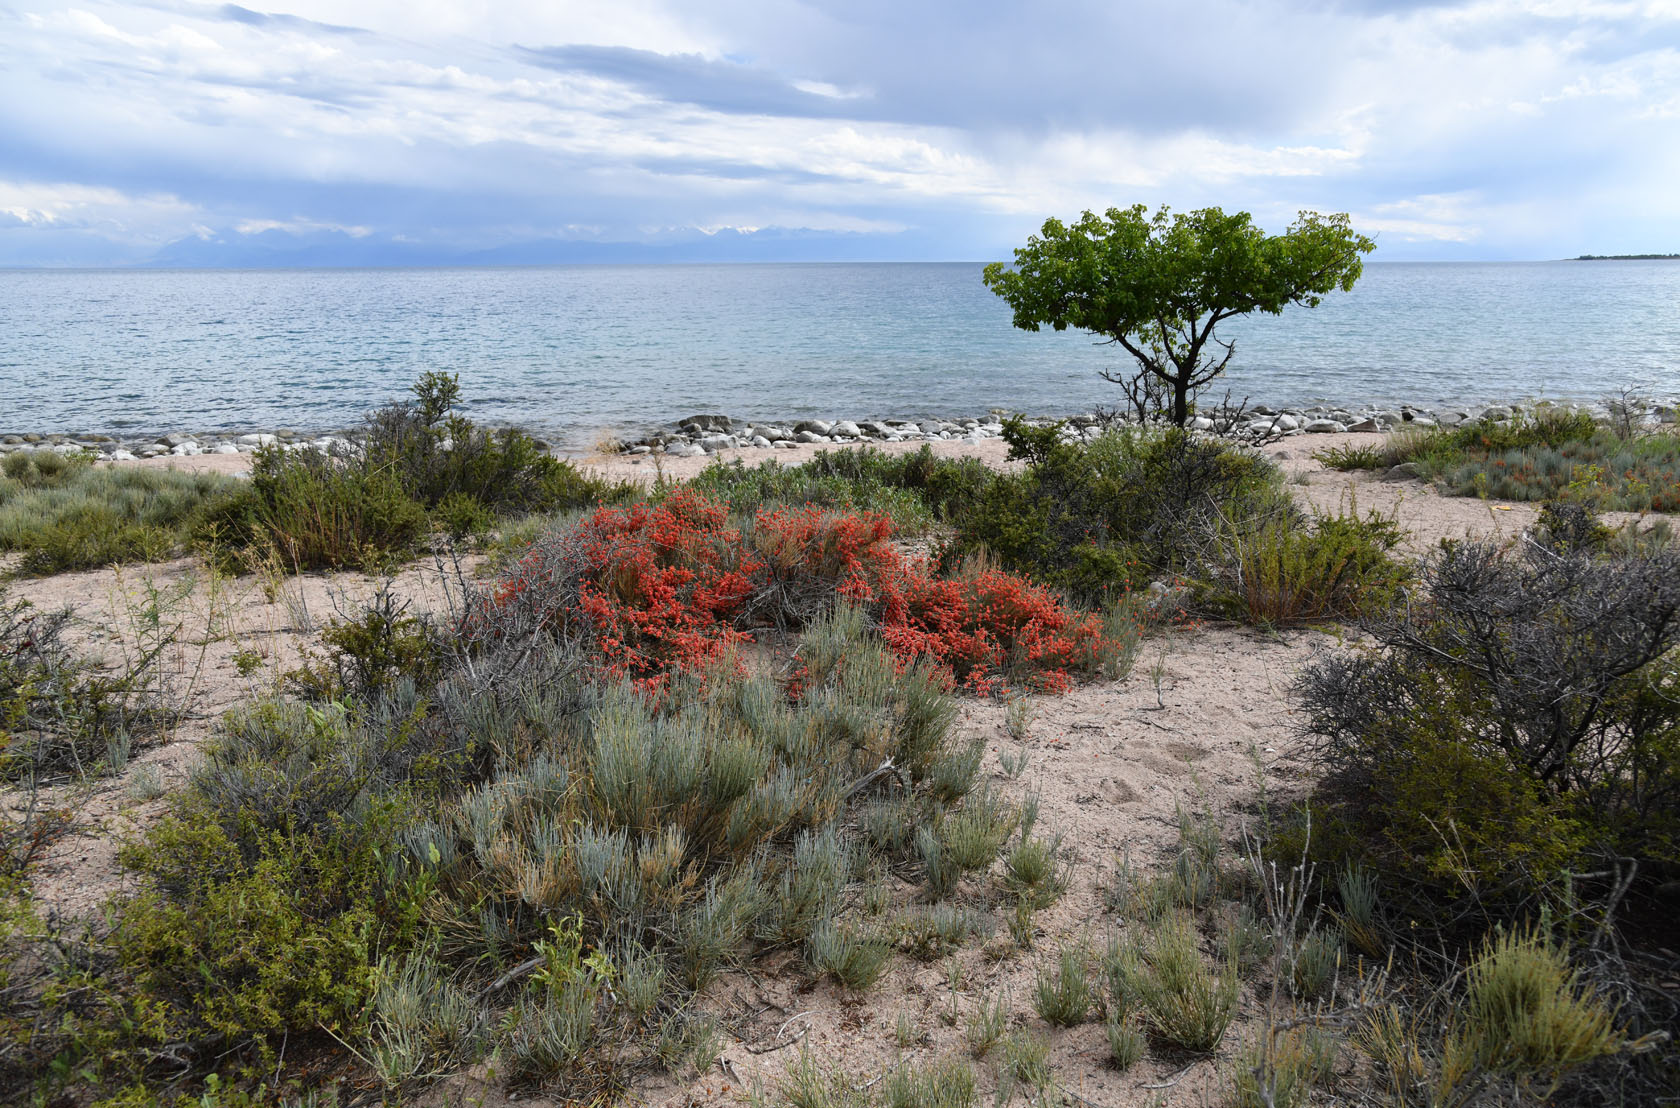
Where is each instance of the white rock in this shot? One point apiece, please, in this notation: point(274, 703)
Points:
point(711, 444)
point(784, 444)
point(1286, 423)
point(810, 436)
point(122, 456)
point(845, 429)
point(1201, 423)
point(640, 449)
point(257, 440)
point(683, 450)
point(185, 450)
point(1324, 427)
point(761, 442)
point(226, 448)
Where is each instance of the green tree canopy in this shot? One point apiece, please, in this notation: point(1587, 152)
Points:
point(1159, 285)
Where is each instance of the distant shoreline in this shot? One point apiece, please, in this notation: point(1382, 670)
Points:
point(1626, 258)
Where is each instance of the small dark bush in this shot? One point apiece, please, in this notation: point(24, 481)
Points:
point(60, 716)
point(368, 654)
point(1520, 720)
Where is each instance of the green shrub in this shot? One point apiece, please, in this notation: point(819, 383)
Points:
point(1101, 518)
point(320, 511)
point(442, 458)
point(771, 485)
point(246, 950)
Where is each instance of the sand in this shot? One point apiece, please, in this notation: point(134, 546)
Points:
point(1204, 719)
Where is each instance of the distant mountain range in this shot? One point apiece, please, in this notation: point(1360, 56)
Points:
point(276, 248)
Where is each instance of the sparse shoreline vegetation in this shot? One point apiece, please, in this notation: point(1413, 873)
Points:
point(713, 724)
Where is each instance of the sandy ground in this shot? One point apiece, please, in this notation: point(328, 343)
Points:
point(1203, 719)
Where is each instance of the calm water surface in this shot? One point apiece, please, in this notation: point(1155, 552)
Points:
point(571, 349)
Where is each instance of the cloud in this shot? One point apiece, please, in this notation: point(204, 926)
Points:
point(1507, 127)
point(719, 85)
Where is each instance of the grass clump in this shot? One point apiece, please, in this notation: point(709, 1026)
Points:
point(1527, 1012)
point(64, 513)
point(1168, 983)
point(1062, 992)
point(1283, 1067)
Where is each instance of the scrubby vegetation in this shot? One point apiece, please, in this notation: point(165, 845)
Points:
point(59, 716)
point(1518, 722)
point(418, 465)
point(1541, 456)
point(702, 727)
point(63, 512)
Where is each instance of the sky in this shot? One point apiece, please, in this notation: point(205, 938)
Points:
point(420, 131)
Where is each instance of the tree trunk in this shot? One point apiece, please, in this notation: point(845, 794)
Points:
point(1181, 401)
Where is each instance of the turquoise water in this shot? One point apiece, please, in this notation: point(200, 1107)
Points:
point(571, 349)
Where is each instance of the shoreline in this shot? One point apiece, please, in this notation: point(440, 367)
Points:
point(709, 433)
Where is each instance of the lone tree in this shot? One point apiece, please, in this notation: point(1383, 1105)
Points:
point(1158, 286)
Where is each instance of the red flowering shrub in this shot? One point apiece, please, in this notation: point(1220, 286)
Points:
point(993, 629)
point(662, 587)
point(810, 553)
point(658, 587)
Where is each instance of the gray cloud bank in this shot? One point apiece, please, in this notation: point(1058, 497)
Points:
point(375, 132)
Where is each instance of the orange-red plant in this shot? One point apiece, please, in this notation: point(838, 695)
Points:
point(673, 586)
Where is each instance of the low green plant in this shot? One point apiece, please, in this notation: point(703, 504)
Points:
point(1035, 872)
point(60, 714)
point(932, 931)
point(1126, 1041)
point(1168, 983)
point(1280, 573)
point(854, 959)
point(1281, 1068)
point(1353, 457)
point(1526, 1011)
point(1555, 454)
point(944, 1083)
point(1062, 993)
point(987, 1024)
